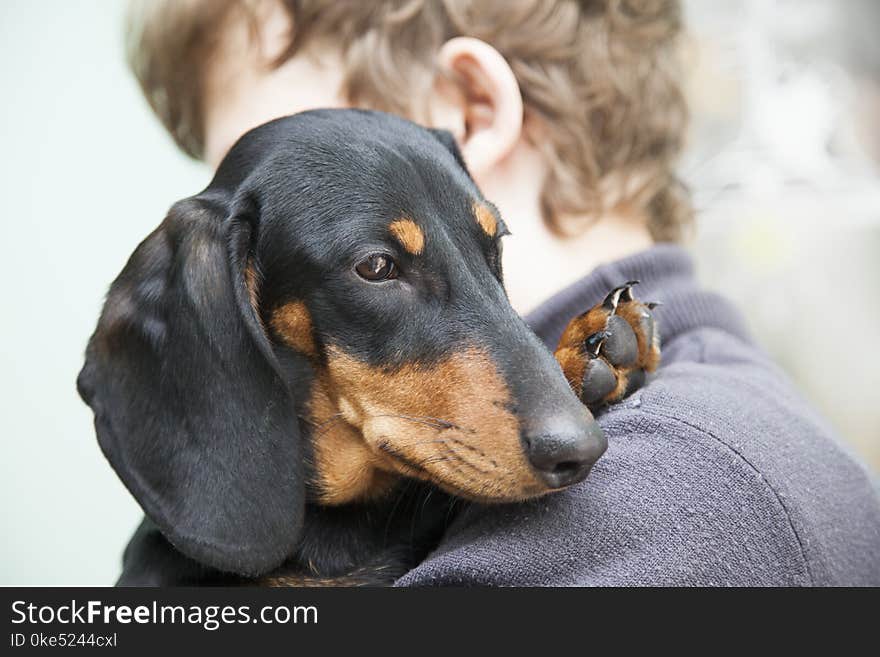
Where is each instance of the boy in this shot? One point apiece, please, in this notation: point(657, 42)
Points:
point(570, 117)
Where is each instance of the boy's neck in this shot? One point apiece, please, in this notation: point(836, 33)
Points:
point(539, 264)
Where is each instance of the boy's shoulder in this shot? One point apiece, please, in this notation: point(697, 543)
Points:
point(750, 432)
point(717, 473)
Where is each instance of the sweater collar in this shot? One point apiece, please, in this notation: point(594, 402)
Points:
point(666, 272)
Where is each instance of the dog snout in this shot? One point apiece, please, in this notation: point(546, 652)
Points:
point(562, 451)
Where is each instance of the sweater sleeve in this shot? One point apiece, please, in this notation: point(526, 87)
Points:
point(667, 505)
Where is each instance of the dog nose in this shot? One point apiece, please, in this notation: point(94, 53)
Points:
point(564, 452)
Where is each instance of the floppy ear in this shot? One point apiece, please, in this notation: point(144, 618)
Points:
point(189, 406)
point(445, 137)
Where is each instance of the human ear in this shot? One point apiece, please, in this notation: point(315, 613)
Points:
point(478, 101)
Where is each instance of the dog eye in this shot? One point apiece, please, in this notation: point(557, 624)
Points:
point(376, 267)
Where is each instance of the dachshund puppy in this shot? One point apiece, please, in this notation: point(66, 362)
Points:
point(303, 368)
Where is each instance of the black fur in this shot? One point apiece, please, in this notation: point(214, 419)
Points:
point(197, 407)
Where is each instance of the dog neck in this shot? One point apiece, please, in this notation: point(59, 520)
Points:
point(368, 543)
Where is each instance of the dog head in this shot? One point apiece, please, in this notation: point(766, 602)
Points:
point(326, 317)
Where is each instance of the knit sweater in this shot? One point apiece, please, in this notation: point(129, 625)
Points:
point(717, 471)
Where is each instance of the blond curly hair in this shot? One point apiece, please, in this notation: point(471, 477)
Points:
point(599, 80)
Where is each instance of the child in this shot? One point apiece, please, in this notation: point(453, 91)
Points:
point(570, 117)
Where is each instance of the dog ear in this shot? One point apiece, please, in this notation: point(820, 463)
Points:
point(445, 137)
point(189, 406)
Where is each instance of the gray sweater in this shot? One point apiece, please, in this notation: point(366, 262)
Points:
point(717, 472)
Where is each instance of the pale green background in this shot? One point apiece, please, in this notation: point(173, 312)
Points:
point(85, 174)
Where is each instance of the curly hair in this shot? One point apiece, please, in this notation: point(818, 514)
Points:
point(599, 80)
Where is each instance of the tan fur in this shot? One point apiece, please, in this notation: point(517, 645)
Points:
point(447, 423)
point(346, 468)
point(570, 350)
point(409, 234)
point(293, 323)
point(649, 353)
point(486, 219)
point(574, 364)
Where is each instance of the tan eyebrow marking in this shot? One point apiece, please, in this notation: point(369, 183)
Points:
point(408, 233)
point(486, 219)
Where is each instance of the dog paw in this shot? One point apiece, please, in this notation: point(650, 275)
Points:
point(606, 352)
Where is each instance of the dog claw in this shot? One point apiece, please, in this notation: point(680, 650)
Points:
point(618, 294)
point(627, 295)
point(611, 301)
point(594, 343)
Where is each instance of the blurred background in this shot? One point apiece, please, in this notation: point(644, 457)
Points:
point(784, 160)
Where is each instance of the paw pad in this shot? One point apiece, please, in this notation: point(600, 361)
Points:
point(607, 351)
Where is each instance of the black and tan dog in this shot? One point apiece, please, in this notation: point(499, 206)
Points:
point(301, 368)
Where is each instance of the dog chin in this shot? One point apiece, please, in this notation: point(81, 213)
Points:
point(493, 495)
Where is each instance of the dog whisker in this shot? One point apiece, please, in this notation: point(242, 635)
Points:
point(458, 457)
point(432, 459)
point(475, 450)
point(336, 417)
point(418, 443)
point(435, 422)
point(494, 471)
